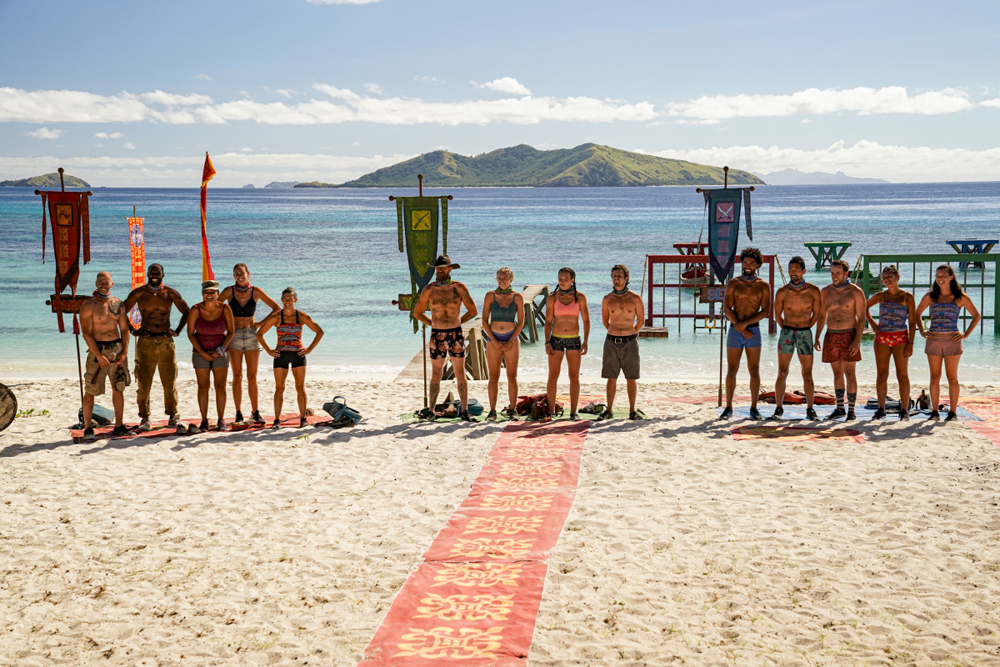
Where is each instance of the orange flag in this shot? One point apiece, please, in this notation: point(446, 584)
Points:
point(206, 260)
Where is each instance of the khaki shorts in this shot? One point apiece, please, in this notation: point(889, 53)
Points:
point(95, 376)
point(621, 354)
point(944, 346)
point(245, 340)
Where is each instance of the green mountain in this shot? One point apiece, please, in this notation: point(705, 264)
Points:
point(589, 165)
point(46, 181)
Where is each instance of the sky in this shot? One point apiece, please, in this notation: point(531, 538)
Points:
point(132, 94)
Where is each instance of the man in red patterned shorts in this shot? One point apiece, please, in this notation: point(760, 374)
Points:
point(844, 316)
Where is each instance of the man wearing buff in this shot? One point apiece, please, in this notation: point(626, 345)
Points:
point(747, 302)
point(797, 307)
point(844, 316)
point(154, 349)
point(104, 325)
point(623, 315)
point(444, 298)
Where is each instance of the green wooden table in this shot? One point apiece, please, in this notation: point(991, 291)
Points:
point(826, 251)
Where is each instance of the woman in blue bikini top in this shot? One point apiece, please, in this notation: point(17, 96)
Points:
point(503, 319)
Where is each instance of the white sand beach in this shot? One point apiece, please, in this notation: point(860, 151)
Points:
point(683, 546)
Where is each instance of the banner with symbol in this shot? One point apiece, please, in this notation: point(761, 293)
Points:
point(137, 244)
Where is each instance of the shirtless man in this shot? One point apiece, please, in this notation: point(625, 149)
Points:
point(623, 315)
point(797, 307)
point(444, 298)
point(748, 301)
point(155, 348)
point(844, 316)
point(104, 324)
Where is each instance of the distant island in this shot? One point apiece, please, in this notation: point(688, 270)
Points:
point(588, 165)
point(46, 181)
point(796, 177)
point(281, 185)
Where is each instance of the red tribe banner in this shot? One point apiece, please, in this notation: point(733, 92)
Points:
point(70, 215)
point(474, 599)
point(137, 244)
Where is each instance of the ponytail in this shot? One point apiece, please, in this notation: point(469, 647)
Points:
point(572, 274)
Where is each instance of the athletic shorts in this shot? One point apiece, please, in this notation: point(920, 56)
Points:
point(621, 354)
point(201, 363)
point(795, 341)
point(943, 347)
point(94, 379)
point(288, 359)
point(837, 346)
point(447, 343)
point(735, 340)
point(245, 340)
point(562, 344)
point(892, 338)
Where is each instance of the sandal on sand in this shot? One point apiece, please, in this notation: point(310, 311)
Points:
point(510, 413)
point(607, 414)
point(276, 424)
point(303, 422)
point(492, 417)
point(427, 415)
point(466, 417)
point(635, 416)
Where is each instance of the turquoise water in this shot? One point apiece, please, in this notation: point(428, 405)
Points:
point(338, 249)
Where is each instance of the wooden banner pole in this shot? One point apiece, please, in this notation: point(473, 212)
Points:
point(423, 328)
point(722, 342)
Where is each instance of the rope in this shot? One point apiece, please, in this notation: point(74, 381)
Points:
point(642, 289)
point(784, 281)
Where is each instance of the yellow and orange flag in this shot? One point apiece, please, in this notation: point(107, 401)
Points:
point(206, 260)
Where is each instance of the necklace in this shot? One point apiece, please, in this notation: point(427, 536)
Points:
point(155, 289)
point(443, 284)
point(560, 290)
point(617, 293)
point(797, 285)
point(847, 281)
point(241, 289)
point(102, 296)
point(509, 290)
point(751, 278)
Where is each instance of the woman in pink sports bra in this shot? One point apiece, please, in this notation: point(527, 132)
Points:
point(563, 311)
point(210, 328)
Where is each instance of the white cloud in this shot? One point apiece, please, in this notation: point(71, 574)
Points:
point(45, 133)
point(105, 135)
point(991, 103)
point(342, 2)
point(891, 99)
point(172, 100)
point(68, 106)
point(204, 77)
point(428, 79)
point(374, 88)
point(863, 159)
point(246, 149)
point(128, 145)
point(284, 92)
point(507, 84)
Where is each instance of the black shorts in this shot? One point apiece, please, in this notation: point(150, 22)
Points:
point(447, 343)
point(287, 358)
point(562, 344)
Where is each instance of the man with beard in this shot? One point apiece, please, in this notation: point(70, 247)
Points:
point(154, 349)
point(747, 302)
point(797, 307)
point(623, 315)
point(104, 324)
point(444, 298)
point(844, 314)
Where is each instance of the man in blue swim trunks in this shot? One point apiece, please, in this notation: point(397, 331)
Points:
point(748, 301)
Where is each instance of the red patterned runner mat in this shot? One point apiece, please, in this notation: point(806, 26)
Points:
point(474, 599)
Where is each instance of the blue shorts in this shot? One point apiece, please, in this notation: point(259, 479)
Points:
point(735, 340)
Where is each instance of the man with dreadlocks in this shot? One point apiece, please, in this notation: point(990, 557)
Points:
point(747, 302)
point(623, 316)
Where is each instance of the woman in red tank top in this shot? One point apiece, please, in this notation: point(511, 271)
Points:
point(210, 328)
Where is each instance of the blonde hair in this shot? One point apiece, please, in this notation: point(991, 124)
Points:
point(506, 270)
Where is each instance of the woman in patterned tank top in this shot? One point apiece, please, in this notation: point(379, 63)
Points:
point(894, 333)
point(289, 352)
point(944, 341)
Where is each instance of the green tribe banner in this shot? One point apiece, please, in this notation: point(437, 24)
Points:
point(418, 219)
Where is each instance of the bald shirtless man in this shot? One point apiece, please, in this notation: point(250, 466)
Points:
point(154, 349)
point(748, 301)
point(844, 316)
point(797, 307)
point(623, 315)
point(104, 324)
point(445, 298)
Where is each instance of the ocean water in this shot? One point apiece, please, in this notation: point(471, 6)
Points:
point(338, 248)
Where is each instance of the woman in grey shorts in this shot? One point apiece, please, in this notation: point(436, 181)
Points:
point(944, 340)
point(243, 298)
point(210, 329)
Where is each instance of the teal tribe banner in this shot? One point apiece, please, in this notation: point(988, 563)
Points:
point(724, 227)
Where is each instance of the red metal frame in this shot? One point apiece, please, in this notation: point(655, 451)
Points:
point(654, 260)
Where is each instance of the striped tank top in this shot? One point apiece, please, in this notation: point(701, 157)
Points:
point(944, 317)
point(893, 316)
point(289, 335)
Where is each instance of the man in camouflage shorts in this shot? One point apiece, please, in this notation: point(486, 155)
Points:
point(797, 308)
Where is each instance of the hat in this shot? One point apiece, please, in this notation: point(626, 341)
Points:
point(444, 261)
point(210, 284)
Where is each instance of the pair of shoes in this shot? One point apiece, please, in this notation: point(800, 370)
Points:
point(276, 424)
point(851, 416)
point(607, 414)
point(779, 412)
point(755, 415)
point(951, 416)
point(492, 417)
point(256, 417)
point(221, 425)
point(904, 415)
point(174, 423)
point(191, 429)
point(837, 414)
point(239, 418)
point(879, 414)
point(88, 434)
point(934, 416)
point(466, 417)
point(510, 413)
point(635, 416)
point(726, 414)
point(121, 429)
point(811, 414)
point(144, 425)
point(303, 422)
